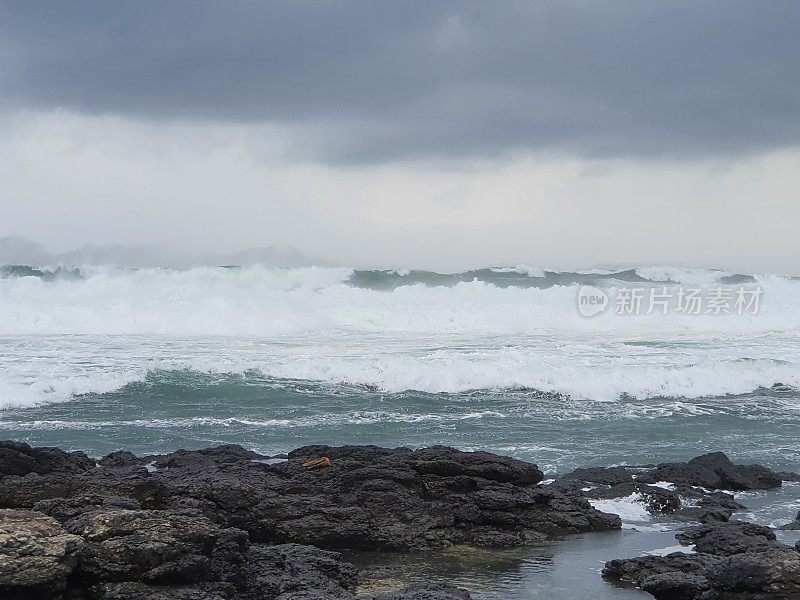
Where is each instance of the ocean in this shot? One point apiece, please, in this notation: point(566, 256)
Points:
point(499, 359)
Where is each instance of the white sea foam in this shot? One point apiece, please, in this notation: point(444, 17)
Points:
point(272, 301)
point(670, 549)
point(354, 418)
point(665, 485)
point(521, 269)
point(71, 336)
point(631, 509)
point(699, 277)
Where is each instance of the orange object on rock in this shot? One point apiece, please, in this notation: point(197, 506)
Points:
point(317, 463)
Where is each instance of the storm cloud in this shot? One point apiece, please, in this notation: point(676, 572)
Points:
point(374, 81)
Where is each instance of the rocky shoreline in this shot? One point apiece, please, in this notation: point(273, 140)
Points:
point(229, 524)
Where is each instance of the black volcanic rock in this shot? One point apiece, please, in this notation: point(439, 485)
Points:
point(120, 458)
point(17, 458)
point(369, 498)
point(735, 560)
point(714, 471)
point(727, 539)
point(440, 591)
point(292, 568)
point(694, 490)
point(602, 475)
point(257, 573)
point(710, 507)
point(143, 545)
point(64, 509)
point(407, 500)
point(130, 590)
point(227, 523)
point(220, 455)
point(121, 554)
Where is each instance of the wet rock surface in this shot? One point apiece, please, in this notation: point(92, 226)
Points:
point(727, 539)
point(725, 559)
point(734, 560)
point(697, 490)
point(228, 523)
point(369, 498)
point(714, 471)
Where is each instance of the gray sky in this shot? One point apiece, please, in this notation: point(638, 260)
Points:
point(437, 134)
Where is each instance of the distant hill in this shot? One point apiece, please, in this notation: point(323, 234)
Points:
point(18, 250)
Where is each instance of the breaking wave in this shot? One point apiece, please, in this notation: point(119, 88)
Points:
point(262, 301)
point(74, 331)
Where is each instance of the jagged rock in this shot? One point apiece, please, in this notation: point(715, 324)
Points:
point(711, 507)
point(251, 573)
point(129, 482)
point(733, 560)
point(276, 570)
point(64, 509)
point(406, 500)
point(17, 458)
point(727, 539)
point(369, 498)
point(259, 573)
point(427, 592)
point(220, 455)
point(25, 491)
point(151, 546)
point(193, 525)
point(703, 514)
point(130, 590)
point(120, 458)
point(602, 475)
point(698, 481)
point(714, 471)
point(36, 555)
point(675, 585)
point(184, 528)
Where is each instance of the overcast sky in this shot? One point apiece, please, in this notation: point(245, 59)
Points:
point(432, 134)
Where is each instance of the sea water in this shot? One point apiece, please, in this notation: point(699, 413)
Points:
point(499, 359)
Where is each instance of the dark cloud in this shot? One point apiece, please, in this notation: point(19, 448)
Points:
point(374, 80)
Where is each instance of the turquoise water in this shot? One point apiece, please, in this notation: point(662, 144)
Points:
point(186, 409)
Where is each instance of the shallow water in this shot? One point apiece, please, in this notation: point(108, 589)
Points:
point(570, 568)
